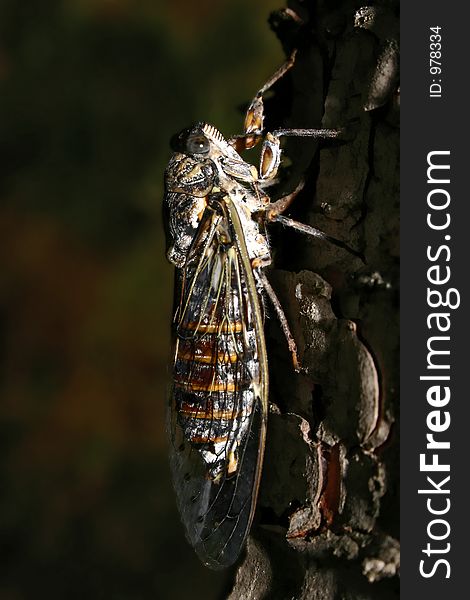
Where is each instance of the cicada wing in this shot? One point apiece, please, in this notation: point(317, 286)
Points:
point(218, 408)
point(217, 516)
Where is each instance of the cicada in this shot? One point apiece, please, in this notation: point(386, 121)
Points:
point(216, 210)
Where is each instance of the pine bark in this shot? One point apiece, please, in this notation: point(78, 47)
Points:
point(327, 519)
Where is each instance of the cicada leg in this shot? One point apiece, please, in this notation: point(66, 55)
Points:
point(314, 232)
point(254, 128)
point(254, 118)
point(279, 206)
point(282, 318)
point(273, 214)
point(271, 150)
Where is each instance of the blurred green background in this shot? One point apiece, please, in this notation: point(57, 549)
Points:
point(90, 93)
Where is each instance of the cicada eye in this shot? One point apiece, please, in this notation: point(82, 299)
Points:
point(197, 145)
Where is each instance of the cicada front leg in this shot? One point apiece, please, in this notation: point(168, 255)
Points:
point(271, 150)
point(254, 118)
point(254, 129)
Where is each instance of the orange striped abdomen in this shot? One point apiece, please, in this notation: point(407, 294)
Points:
point(213, 389)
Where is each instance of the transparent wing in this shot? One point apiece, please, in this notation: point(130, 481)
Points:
point(217, 414)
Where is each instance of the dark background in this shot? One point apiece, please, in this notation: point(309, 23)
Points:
point(90, 93)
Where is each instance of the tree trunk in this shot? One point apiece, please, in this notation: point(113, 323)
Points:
point(327, 517)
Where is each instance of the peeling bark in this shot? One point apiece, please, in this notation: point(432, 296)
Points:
point(327, 516)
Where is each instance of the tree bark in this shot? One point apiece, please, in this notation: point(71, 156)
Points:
point(327, 517)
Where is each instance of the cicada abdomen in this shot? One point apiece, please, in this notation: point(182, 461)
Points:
point(219, 393)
